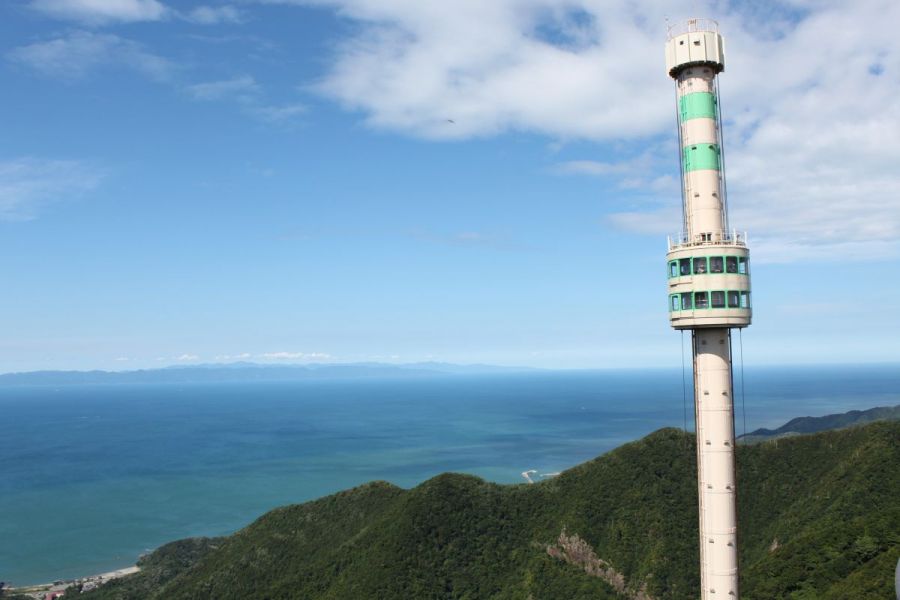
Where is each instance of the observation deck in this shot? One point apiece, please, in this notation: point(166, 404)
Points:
point(709, 281)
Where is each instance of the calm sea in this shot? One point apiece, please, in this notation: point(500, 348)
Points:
point(92, 476)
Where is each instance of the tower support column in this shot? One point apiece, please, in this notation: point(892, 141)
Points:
point(714, 410)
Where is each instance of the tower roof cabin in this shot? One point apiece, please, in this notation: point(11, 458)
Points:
point(693, 43)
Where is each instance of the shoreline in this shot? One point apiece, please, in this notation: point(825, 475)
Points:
point(89, 582)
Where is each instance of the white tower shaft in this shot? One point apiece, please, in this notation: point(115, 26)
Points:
point(704, 209)
point(714, 414)
point(709, 293)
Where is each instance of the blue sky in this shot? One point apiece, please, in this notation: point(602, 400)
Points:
point(356, 180)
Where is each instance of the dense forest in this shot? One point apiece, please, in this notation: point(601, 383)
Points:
point(819, 518)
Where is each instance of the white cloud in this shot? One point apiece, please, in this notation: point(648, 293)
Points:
point(102, 11)
point(810, 95)
point(213, 15)
point(187, 357)
point(72, 57)
point(243, 87)
point(241, 356)
point(644, 172)
point(811, 140)
point(813, 166)
point(472, 68)
point(27, 184)
point(296, 356)
point(121, 359)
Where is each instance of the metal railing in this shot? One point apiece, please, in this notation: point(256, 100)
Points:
point(692, 26)
point(727, 238)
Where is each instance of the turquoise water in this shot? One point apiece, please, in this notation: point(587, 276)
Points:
point(92, 476)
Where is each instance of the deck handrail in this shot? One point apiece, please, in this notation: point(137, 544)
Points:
point(692, 26)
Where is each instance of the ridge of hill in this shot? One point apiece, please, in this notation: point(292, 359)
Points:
point(802, 425)
point(818, 513)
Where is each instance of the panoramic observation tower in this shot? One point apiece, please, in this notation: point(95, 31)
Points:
point(709, 291)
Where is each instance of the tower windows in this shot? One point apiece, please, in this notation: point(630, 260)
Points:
point(700, 267)
point(734, 299)
point(709, 299)
point(731, 264)
point(701, 299)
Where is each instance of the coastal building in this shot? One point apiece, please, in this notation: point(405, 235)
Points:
point(708, 266)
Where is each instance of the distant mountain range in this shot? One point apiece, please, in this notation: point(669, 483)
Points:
point(802, 425)
point(247, 371)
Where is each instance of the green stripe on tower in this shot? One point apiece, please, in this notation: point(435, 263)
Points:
point(699, 105)
point(699, 157)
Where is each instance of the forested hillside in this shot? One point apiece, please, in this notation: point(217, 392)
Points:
point(819, 518)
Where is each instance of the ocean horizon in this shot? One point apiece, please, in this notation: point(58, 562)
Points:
point(93, 475)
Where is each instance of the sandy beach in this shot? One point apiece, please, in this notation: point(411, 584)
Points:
point(90, 582)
